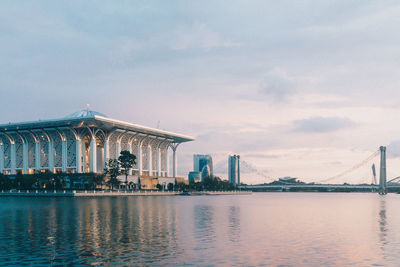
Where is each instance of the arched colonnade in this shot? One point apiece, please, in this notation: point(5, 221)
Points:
point(82, 150)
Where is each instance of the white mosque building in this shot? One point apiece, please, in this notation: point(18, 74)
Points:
point(82, 142)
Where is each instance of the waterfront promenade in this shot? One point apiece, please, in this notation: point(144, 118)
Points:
point(92, 193)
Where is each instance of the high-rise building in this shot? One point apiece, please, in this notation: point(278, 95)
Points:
point(194, 177)
point(203, 164)
point(234, 169)
point(205, 172)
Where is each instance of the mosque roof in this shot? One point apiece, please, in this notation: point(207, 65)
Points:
point(85, 113)
point(90, 118)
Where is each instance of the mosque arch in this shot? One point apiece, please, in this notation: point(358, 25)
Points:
point(82, 142)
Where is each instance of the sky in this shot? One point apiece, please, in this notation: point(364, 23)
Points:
point(299, 88)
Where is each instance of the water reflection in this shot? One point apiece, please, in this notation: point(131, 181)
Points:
point(234, 224)
point(204, 225)
point(272, 229)
point(382, 222)
point(88, 231)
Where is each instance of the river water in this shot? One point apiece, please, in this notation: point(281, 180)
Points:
point(262, 229)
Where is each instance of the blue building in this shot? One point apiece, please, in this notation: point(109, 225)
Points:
point(234, 169)
point(203, 164)
point(194, 177)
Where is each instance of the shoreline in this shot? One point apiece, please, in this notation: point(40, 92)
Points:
point(90, 193)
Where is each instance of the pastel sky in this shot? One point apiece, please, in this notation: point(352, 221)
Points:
point(297, 88)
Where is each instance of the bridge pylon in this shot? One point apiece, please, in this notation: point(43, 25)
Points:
point(382, 173)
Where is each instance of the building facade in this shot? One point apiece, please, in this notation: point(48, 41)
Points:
point(82, 142)
point(194, 177)
point(203, 164)
point(234, 169)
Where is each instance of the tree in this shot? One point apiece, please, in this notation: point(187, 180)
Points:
point(170, 186)
point(126, 161)
point(182, 186)
point(211, 183)
point(132, 185)
point(5, 182)
point(45, 179)
point(113, 170)
point(98, 180)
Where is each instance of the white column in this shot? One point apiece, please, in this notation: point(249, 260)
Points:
point(93, 155)
point(1, 158)
point(118, 149)
point(139, 158)
point(174, 162)
point(131, 151)
point(83, 156)
point(130, 148)
point(51, 155)
point(37, 156)
point(64, 155)
point(106, 151)
point(13, 159)
point(78, 156)
point(150, 160)
point(25, 163)
point(158, 161)
point(166, 163)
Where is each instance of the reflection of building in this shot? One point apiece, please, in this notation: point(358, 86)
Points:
point(194, 177)
point(203, 164)
point(82, 142)
point(234, 169)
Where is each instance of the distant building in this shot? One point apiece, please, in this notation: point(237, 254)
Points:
point(205, 172)
point(288, 180)
point(164, 182)
point(203, 164)
point(194, 177)
point(234, 169)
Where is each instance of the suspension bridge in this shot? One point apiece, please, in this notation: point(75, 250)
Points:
point(382, 186)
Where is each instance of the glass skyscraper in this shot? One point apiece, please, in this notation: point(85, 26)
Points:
point(234, 169)
point(203, 164)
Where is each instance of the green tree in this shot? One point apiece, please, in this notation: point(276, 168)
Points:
point(212, 183)
point(98, 180)
point(45, 179)
point(113, 170)
point(182, 186)
point(170, 186)
point(5, 182)
point(126, 161)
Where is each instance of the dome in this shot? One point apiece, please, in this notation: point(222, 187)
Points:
point(85, 113)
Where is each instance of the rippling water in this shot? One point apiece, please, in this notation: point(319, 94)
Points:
point(289, 229)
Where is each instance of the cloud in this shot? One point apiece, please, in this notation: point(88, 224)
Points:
point(239, 141)
point(278, 85)
point(198, 36)
point(261, 156)
point(194, 65)
point(322, 124)
point(393, 149)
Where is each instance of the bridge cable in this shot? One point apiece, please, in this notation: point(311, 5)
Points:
point(355, 167)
